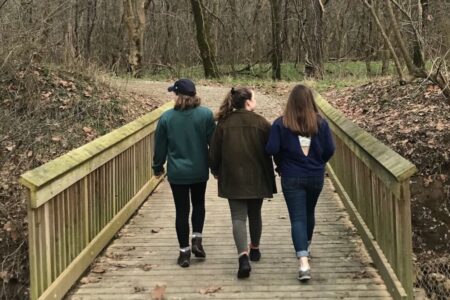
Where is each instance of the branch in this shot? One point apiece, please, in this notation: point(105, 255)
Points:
point(4, 2)
point(408, 15)
point(212, 14)
point(147, 4)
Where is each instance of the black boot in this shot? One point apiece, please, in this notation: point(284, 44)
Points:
point(197, 247)
point(184, 260)
point(255, 254)
point(244, 267)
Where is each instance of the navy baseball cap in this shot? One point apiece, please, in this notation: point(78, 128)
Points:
point(184, 87)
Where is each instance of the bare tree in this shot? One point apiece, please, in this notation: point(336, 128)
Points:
point(439, 75)
point(314, 66)
point(134, 11)
point(275, 6)
point(203, 40)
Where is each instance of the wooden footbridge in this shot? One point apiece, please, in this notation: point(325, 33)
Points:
point(98, 214)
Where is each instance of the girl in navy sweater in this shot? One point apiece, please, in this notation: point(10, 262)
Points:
point(301, 144)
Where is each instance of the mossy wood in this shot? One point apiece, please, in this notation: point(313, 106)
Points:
point(79, 201)
point(373, 182)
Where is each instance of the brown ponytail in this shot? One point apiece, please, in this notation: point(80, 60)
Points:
point(235, 99)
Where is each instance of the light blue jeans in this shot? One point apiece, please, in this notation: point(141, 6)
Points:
point(301, 195)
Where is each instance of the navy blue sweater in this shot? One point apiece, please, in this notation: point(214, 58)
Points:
point(284, 145)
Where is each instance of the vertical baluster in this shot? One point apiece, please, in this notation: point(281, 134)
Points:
point(33, 248)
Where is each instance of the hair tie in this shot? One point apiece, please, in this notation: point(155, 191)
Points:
point(233, 91)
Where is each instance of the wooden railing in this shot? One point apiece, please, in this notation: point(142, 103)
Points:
point(373, 182)
point(78, 202)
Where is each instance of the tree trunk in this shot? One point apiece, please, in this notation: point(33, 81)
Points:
point(387, 41)
point(275, 6)
point(314, 48)
point(134, 11)
point(204, 43)
point(418, 48)
point(91, 16)
point(367, 40)
point(412, 69)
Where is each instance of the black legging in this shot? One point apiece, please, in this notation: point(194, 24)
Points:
point(182, 204)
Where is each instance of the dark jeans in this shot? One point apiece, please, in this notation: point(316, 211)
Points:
point(182, 205)
point(301, 195)
point(240, 209)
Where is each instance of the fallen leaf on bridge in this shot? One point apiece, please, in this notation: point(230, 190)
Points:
point(158, 292)
point(210, 290)
point(98, 270)
point(148, 267)
point(89, 279)
point(138, 289)
point(155, 230)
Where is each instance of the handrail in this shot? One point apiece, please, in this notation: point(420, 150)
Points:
point(78, 202)
point(373, 182)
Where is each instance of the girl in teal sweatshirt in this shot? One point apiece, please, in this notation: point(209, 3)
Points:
point(182, 138)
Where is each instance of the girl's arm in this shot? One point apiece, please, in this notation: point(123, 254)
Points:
point(215, 151)
point(210, 127)
point(160, 155)
point(328, 146)
point(273, 144)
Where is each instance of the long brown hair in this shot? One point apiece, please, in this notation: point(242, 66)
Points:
point(301, 115)
point(235, 99)
point(185, 102)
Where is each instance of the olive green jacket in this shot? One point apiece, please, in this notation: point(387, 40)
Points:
point(238, 158)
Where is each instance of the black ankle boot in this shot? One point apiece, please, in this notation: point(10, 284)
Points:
point(244, 267)
point(197, 247)
point(184, 260)
point(255, 254)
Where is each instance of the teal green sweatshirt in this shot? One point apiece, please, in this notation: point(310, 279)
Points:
point(182, 137)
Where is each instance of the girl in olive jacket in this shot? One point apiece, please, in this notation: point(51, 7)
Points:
point(243, 169)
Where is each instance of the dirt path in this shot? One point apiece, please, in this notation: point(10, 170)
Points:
point(267, 105)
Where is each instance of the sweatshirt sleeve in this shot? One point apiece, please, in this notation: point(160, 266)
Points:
point(328, 143)
point(160, 155)
point(215, 150)
point(273, 144)
point(210, 127)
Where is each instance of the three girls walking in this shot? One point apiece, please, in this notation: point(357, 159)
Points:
point(239, 157)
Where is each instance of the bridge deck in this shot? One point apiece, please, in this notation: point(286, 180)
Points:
point(144, 256)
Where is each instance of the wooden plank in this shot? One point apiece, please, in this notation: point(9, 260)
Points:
point(48, 172)
point(50, 179)
point(403, 232)
point(387, 273)
point(32, 249)
point(63, 283)
point(382, 160)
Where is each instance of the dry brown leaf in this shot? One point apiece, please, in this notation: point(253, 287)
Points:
point(98, 270)
point(8, 226)
point(210, 290)
point(138, 289)
point(158, 292)
point(147, 267)
point(87, 129)
point(87, 94)
point(10, 148)
point(56, 138)
point(440, 126)
point(30, 153)
point(3, 275)
point(89, 279)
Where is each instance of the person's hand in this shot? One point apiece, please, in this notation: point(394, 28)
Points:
point(158, 175)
